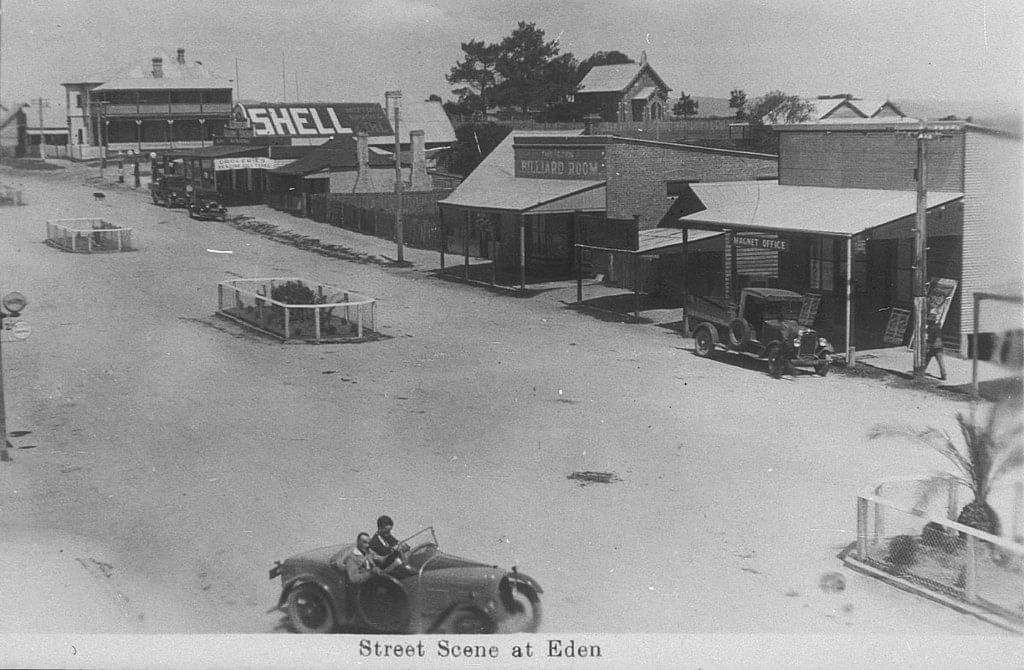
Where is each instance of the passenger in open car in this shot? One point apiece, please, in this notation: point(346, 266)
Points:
point(360, 564)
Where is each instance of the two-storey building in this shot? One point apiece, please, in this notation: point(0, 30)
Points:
point(162, 103)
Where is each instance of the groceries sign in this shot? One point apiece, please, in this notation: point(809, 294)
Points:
point(313, 120)
point(560, 163)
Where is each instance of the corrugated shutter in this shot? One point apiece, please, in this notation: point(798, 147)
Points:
point(993, 223)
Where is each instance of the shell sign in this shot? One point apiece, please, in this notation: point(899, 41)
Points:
point(313, 119)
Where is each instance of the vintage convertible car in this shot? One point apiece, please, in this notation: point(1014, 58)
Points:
point(433, 592)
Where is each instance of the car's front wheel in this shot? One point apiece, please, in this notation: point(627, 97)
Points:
point(468, 621)
point(309, 610)
point(776, 361)
point(823, 364)
point(525, 610)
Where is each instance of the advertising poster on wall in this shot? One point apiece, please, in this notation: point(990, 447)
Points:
point(940, 297)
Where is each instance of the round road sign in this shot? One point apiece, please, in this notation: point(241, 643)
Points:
point(20, 330)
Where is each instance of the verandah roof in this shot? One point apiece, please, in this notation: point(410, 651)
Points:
point(767, 206)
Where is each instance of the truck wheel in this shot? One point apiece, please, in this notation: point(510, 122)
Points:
point(739, 332)
point(776, 361)
point(823, 364)
point(704, 342)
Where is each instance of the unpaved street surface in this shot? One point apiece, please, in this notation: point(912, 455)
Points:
point(171, 456)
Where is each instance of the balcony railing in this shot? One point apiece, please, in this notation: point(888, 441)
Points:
point(136, 110)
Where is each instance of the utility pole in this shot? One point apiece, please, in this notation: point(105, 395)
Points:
point(238, 85)
point(922, 135)
point(41, 102)
point(1, 54)
point(396, 98)
point(921, 257)
point(101, 104)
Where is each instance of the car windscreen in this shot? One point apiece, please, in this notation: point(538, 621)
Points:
point(783, 310)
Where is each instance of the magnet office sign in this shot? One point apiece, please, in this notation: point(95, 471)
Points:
point(297, 119)
point(560, 163)
point(760, 242)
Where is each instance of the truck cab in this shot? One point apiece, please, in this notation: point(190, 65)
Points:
point(169, 190)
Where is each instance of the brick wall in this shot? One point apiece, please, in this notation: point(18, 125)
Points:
point(638, 173)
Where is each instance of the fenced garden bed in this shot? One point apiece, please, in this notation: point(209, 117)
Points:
point(88, 235)
point(924, 550)
point(295, 309)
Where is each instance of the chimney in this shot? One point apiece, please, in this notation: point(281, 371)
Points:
point(391, 101)
point(158, 68)
point(363, 153)
point(181, 56)
point(418, 177)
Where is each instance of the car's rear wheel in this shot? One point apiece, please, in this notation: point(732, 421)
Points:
point(468, 621)
point(704, 342)
point(309, 610)
point(776, 361)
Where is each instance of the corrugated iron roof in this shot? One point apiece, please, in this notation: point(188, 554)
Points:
point(54, 116)
point(340, 153)
point(653, 239)
point(428, 116)
point(609, 78)
point(770, 207)
point(175, 75)
point(493, 184)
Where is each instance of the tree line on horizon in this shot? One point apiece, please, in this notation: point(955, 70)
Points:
point(525, 72)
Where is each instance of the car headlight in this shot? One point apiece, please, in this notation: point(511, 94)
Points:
point(822, 342)
point(796, 341)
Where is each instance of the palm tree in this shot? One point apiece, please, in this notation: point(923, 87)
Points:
point(991, 447)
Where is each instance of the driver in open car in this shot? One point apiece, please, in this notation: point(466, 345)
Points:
point(387, 547)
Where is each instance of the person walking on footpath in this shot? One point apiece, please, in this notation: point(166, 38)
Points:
point(935, 346)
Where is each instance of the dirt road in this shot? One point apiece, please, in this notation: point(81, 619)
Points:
point(177, 456)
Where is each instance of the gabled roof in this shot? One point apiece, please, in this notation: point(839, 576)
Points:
point(340, 153)
point(9, 112)
point(617, 78)
point(493, 184)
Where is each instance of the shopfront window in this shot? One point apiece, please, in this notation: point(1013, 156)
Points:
point(905, 270)
point(823, 265)
point(550, 236)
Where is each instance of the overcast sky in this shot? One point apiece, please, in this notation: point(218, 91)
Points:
point(354, 50)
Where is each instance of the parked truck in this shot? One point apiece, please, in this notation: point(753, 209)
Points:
point(765, 324)
point(169, 190)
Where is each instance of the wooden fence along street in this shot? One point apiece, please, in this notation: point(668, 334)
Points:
point(374, 214)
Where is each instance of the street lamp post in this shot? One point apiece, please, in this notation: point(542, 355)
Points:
point(13, 303)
